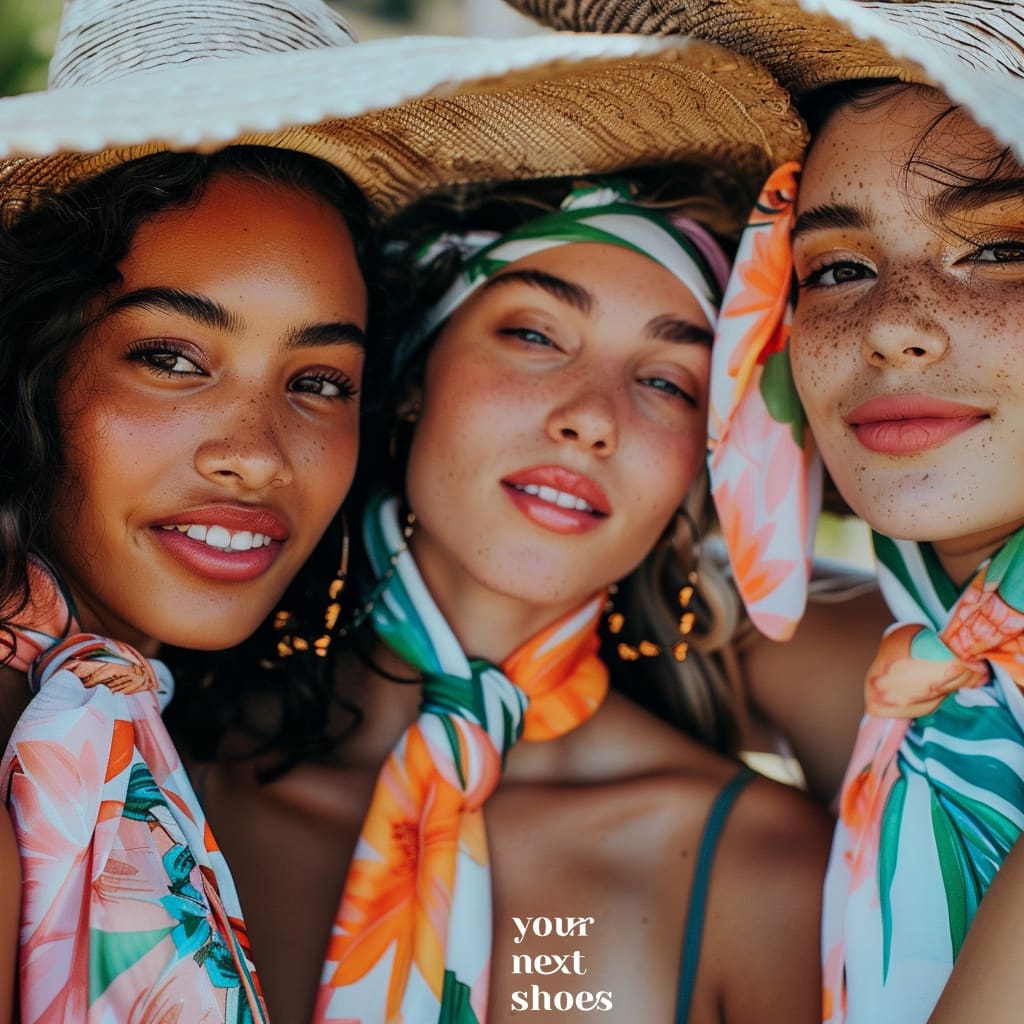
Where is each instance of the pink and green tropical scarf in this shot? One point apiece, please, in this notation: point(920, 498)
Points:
point(934, 795)
point(128, 910)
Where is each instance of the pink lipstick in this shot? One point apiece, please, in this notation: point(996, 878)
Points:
point(227, 543)
point(557, 498)
point(906, 424)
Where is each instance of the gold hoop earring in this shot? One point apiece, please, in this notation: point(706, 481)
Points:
point(361, 614)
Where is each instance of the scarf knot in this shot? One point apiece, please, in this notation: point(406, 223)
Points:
point(472, 722)
point(96, 660)
point(917, 666)
point(933, 799)
point(413, 936)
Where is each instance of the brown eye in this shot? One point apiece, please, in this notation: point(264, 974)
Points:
point(325, 385)
point(1000, 252)
point(165, 361)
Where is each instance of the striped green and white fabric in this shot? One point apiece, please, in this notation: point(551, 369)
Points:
point(933, 799)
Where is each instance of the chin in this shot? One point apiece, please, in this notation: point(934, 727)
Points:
point(207, 637)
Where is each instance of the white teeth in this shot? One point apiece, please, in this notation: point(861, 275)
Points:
point(559, 498)
point(221, 538)
point(218, 537)
point(241, 541)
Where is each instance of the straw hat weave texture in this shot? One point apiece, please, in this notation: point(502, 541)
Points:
point(402, 117)
point(811, 43)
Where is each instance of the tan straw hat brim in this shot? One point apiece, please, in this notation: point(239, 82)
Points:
point(395, 117)
point(973, 49)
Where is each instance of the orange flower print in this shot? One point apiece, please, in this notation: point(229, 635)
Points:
point(902, 684)
point(984, 625)
point(399, 890)
point(757, 574)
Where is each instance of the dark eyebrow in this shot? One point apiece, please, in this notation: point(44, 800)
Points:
point(174, 300)
point(955, 199)
point(212, 314)
point(832, 216)
point(319, 335)
point(670, 328)
point(565, 291)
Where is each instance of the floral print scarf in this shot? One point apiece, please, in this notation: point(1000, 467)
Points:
point(933, 798)
point(413, 937)
point(129, 910)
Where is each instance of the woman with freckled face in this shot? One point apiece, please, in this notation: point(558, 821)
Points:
point(906, 353)
point(205, 434)
point(546, 423)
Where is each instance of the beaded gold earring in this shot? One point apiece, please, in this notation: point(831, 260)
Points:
point(289, 642)
point(680, 647)
point(648, 648)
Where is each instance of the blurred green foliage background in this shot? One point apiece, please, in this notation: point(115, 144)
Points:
point(27, 31)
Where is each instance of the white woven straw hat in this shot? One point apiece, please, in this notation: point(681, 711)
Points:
point(972, 49)
point(402, 117)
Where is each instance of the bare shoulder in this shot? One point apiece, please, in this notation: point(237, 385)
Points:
point(775, 829)
point(762, 940)
point(811, 688)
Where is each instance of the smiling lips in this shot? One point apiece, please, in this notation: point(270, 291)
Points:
point(558, 499)
point(905, 424)
point(228, 543)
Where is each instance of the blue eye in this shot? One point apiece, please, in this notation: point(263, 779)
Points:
point(839, 273)
point(670, 388)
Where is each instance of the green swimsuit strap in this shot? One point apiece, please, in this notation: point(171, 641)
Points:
point(699, 890)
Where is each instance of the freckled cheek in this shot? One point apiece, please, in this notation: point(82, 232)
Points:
point(664, 465)
point(822, 353)
point(323, 462)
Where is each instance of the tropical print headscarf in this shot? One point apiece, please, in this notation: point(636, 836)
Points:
point(933, 798)
point(604, 212)
point(412, 940)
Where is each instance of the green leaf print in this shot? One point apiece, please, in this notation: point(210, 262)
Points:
point(455, 1005)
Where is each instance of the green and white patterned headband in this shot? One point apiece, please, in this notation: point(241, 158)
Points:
point(603, 212)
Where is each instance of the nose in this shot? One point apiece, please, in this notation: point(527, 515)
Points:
point(900, 331)
point(242, 448)
point(587, 420)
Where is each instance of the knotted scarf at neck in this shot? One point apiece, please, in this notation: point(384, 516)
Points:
point(934, 795)
point(128, 911)
point(413, 938)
